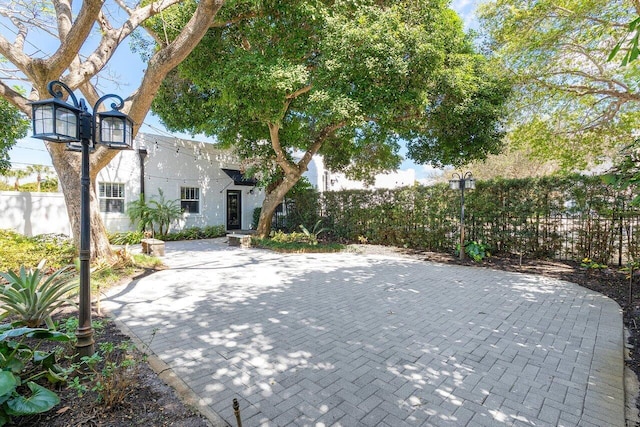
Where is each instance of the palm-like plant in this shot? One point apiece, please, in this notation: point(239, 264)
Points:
point(18, 174)
point(140, 212)
point(163, 212)
point(33, 296)
point(39, 170)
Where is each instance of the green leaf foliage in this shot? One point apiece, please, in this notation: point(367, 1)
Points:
point(21, 365)
point(570, 103)
point(17, 249)
point(350, 80)
point(8, 384)
point(156, 214)
point(13, 126)
point(632, 51)
point(41, 400)
point(572, 217)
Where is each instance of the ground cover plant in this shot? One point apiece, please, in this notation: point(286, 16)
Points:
point(17, 249)
point(115, 387)
point(298, 241)
point(21, 365)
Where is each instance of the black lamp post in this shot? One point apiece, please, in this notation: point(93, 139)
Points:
point(462, 182)
point(55, 120)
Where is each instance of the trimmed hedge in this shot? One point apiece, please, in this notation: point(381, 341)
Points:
point(570, 217)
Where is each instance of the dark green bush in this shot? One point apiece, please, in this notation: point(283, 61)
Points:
point(256, 218)
point(194, 233)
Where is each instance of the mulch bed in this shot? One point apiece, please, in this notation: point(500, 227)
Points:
point(148, 401)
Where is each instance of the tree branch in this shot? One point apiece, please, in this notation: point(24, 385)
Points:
point(167, 58)
point(73, 34)
point(14, 53)
point(281, 159)
point(111, 39)
point(298, 92)
point(315, 147)
point(15, 98)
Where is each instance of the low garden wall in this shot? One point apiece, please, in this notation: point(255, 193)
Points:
point(32, 213)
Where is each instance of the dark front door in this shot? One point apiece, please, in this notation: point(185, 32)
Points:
point(234, 210)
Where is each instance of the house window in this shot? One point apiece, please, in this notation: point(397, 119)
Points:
point(111, 196)
point(190, 199)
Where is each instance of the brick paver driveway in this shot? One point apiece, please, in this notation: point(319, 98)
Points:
point(346, 339)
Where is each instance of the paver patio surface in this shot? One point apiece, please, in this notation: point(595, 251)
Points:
point(376, 340)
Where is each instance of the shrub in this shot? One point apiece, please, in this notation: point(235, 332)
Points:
point(477, 251)
point(295, 246)
point(256, 218)
point(212, 231)
point(282, 237)
point(32, 296)
point(110, 372)
point(194, 233)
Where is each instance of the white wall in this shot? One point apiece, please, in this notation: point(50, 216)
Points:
point(34, 213)
point(396, 179)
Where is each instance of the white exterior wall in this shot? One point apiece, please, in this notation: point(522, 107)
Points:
point(396, 179)
point(172, 163)
point(34, 213)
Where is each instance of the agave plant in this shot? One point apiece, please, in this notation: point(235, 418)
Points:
point(33, 296)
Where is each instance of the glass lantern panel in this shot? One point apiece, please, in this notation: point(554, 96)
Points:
point(116, 132)
point(454, 184)
point(128, 133)
point(43, 119)
point(112, 130)
point(66, 122)
point(470, 184)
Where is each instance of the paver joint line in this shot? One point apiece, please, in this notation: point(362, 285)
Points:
point(347, 339)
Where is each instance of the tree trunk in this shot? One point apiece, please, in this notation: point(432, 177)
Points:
point(271, 202)
point(68, 166)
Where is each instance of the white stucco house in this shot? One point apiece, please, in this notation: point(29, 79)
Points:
point(207, 182)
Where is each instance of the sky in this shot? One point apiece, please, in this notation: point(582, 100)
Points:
point(127, 67)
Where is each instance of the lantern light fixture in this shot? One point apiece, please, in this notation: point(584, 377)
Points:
point(57, 121)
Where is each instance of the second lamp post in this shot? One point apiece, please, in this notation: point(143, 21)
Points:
point(462, 181)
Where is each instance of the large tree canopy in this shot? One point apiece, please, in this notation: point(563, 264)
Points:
point(350, 80)
point(571, 104)
point(58, 40)
point(13, 126)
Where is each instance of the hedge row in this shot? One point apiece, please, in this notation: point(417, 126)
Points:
point(569, 218)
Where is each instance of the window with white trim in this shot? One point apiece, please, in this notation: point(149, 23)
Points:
point(111, 197)
point(190, 199)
